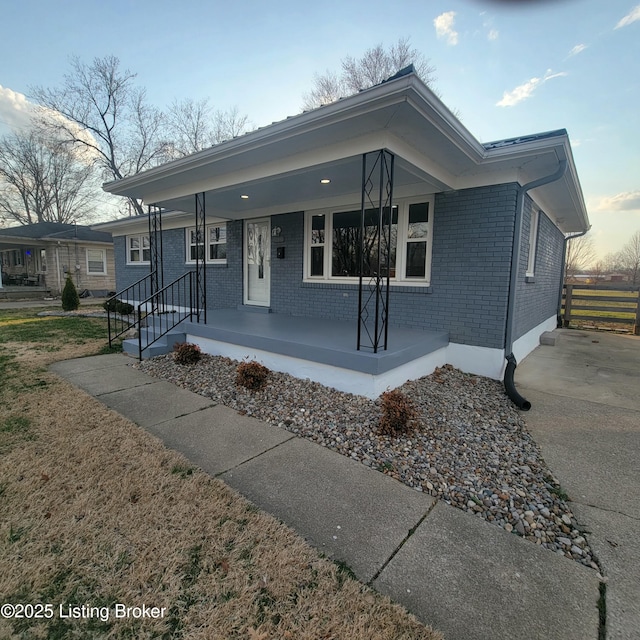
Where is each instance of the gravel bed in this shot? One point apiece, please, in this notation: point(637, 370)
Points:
point(469, 446)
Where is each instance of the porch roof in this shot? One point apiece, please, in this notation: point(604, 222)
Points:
point(280, 167)
point(41, 233)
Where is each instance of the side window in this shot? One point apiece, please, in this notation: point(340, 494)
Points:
point(533, 241)
point(138, 249)
point(96, 263)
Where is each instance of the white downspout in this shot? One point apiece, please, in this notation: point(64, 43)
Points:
point(58, 270)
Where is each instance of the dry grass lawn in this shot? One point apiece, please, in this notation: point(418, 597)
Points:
point(95, 511)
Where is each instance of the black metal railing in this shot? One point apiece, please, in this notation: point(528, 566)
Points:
point(121, 315)
point(165, 309)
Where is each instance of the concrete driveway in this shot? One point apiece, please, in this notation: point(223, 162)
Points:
point(585, 416)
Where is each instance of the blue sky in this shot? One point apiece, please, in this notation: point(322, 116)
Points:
point(509, 68)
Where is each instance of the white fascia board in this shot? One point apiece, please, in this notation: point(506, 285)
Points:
point(407, 89)
point(140, 224)
point(433, 110)
point(345, 108)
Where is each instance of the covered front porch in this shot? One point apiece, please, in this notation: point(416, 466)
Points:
point(319, 349)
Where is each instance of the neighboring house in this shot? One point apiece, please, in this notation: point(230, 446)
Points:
point(43, 254)
point(473, 248)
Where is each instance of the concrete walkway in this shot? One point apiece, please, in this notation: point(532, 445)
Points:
point(470, 579)
point(585, 417)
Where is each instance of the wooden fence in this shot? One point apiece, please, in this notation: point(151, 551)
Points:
point(591, 304)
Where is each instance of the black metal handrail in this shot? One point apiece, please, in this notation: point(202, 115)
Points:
point(120, 322)
point(166, 309)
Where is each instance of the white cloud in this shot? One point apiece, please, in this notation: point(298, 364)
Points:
point(17, 113)
point(526, 90)
point(15, 109)
point(632, 16)
point(493, 34)
point(626, 201)
point(579, 48)
point(444, 27)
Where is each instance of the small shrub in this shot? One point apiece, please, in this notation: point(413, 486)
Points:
point(186, 353)
point(398, 413)
point(117, 306)
point(124, 308)
point(251, 375)
point(70, 297)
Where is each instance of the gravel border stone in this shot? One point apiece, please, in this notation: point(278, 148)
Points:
point(469, 446)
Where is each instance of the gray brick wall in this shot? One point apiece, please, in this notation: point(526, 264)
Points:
point(537, 300)
point(472, 232)
point(224, 281)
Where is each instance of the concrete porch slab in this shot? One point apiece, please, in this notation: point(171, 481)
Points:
point(473, 580)
point(320, 340)
point(218, 439)
point(347, 511)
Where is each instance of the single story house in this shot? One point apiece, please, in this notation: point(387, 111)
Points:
point(43, 254)
point(376, 235)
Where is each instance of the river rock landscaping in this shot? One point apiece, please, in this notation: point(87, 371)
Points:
point(469, 445)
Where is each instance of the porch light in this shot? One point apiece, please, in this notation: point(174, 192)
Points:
point(325, 181)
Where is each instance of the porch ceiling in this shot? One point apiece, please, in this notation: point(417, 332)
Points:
point(302, 190)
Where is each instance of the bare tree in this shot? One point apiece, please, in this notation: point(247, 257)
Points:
point(629, 257)
point(580, 254)
point(375, 65)
point(99, 108)
point(43, 182)
point(195, 125)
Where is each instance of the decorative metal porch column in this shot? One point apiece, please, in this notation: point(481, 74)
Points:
point(376, 219)
point(155, 248)
point(201, 258)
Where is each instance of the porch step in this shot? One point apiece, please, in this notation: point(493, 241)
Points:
point(159, 348)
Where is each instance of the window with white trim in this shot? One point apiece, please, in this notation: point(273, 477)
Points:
point(96, 262)
point(332, 240)
point(216, 244)
point(138, 249)
point(533, 241)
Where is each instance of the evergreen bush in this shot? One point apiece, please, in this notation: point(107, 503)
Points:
point(70, 297)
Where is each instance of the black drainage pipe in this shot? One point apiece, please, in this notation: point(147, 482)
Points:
point(510, 387)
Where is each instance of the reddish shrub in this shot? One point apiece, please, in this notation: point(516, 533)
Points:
point(251, 375)
point(186, 353)
point(398, 413)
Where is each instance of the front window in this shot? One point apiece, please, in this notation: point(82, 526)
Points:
point(96, 262)
point(417, 240)
point(138, 250)
point(213, 245)
point(217, 243)
point(377, 246)
point(333, 240)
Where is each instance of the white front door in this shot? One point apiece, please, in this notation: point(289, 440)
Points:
point(257, 262)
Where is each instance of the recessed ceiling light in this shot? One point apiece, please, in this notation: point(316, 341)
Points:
point(244, 197)
point(325, 181)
